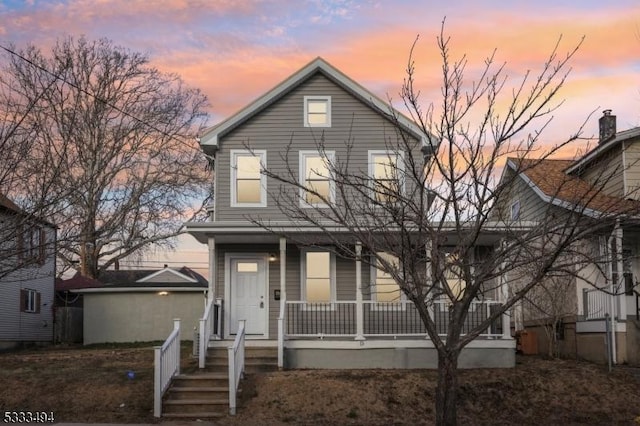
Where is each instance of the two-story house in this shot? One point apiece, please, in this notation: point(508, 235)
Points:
point(321, 309)
point(27, 277)
point(603, 182)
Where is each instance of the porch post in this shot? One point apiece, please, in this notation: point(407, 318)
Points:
point(620, 285)
point(212, 268)
point(359, 307)
point(283, 299)
point(504, 296)
point(429, 280)
point(613, 257)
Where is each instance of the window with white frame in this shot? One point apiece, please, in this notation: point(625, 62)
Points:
point(384, 287)
point(386, 169)
point(29, 301)
point(317, 187)
point(318, 276)
point(453, 275)
point(317, 111)
point(515, 210)
point(248, 183)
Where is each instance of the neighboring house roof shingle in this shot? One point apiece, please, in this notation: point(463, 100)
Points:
point(549, 179)
point(8, 204)
point(131, 279)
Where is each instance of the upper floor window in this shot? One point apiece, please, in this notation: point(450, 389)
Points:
point(315, 176)
point(386, 169)
point(318, 276)
point(385, 288)
point(29, 301)
point(515, 210)
point(248, 183)
point(31, 244)
point(317, 111)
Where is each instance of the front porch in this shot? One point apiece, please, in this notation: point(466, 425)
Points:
point(264, 283)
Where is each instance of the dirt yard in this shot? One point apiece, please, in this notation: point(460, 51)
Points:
point(93, 385)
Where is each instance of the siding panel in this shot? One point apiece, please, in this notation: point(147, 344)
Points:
point(282, 123)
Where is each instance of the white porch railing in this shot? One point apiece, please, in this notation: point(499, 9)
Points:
point(595, 304)
point(236, 366)
point(380, 319)
point(166, 366)
point(210, 325)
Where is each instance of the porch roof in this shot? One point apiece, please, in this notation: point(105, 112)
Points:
point(246, 232)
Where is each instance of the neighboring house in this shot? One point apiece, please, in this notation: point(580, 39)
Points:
point(27, 277)
point(604, 180)
point(140, 305)
point(319, 308)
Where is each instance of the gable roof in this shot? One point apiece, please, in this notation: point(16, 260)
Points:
point(615, 140)
point(210, 138)
point(136, 279)
point(552, 184)
point(9, 206)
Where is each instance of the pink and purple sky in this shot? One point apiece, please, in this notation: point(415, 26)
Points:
point(235, 50)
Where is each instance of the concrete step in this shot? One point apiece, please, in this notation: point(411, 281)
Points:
point(197, 416)
point(194, 393)
point(191, 406)
point(184, 406)
point(201, 379)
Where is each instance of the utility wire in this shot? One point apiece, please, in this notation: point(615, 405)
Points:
point(178, 138)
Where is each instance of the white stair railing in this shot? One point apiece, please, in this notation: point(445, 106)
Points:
point(206, 326)
point(166, 366)
point(236, 366)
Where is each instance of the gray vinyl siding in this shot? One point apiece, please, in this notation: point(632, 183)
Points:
point(18, 326)
point(632, 169)
point(607, 172)
point(345, 276)
point(282, 123)
point(532, 207)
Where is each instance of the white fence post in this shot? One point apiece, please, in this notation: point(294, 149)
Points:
point(157, 382)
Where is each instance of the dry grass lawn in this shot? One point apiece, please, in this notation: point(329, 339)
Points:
point(91, 385)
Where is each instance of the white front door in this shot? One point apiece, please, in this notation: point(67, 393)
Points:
point(248, 294)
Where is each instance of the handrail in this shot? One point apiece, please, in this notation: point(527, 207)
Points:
point(166, 366)
point(206, 325)
point(236, 366)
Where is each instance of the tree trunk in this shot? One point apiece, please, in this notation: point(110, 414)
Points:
point(447, 389)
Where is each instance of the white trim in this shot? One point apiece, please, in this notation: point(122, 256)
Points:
point(329, 158)
point(552, 200)
point(624, 170)
point(400, 167)
point(305, 117)
point(227, 291)
point(332, 276)
point(211, 136)
point(234, 154)
point(173, 271)
point(138, 289)
point(389, 343)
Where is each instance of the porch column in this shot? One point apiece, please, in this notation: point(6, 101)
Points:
point(429, 280)
point(504, 296)
point(283, 273)
point(283, 299)
point(212, 268)
point(614, 258)
point(359, 307)
point(621, 296)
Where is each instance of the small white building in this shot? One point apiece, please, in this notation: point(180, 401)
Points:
point(140, 305)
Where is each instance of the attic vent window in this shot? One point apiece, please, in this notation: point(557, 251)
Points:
point(317, 111)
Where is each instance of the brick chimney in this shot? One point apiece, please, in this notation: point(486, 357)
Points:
point(607, 126)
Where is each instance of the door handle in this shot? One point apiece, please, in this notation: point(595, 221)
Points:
point(261, 305)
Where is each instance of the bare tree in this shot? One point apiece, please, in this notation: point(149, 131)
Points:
point(437, 208)
point(112, 150)
point(549, 305)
